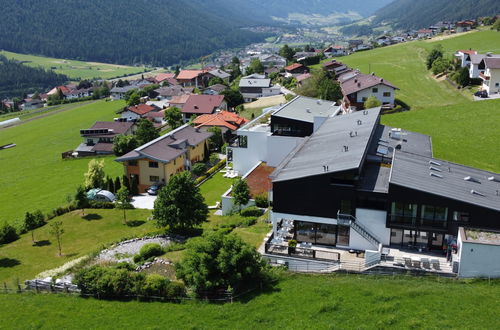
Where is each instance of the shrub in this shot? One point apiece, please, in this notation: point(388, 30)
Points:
point(102, 205)
point(248, 221)
point(261, 201)
point(7, 233)
point(149, 251)
point(60, 211)
point(251, 211)
point(198, 169)
point(218, 261)
point(214, 158)
point(119, 283)
point(200, 179)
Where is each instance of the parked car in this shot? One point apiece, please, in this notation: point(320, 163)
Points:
point(154, 189)
point(481, 94)
point(100, 195)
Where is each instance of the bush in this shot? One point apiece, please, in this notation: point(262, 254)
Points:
point(149, 251)
point(214, 169)
point(119, 283)
point(248, 221)
point(252, 211)
point(102, 205)
point(198, 169)
point(200, 179)
point(60, 211)
point(7, 233)
point(262, 201)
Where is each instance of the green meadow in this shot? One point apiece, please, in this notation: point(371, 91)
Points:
point(75, 69)
point(34, 175)
point(297, 302)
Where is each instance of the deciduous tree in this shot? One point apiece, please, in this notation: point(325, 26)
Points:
point(241, 193)
point(146, 132)
point(94, 178)
point(173, 117)
point(57, 230)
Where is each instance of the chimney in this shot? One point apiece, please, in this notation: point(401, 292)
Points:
point(356, 80)
point(359, 84)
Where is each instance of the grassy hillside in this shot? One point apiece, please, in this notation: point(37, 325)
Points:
point(75, 69)
point(33, 174)
point(298, 302)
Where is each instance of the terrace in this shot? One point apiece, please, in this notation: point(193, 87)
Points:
point(281, 249)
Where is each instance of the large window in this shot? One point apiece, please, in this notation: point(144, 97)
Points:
point(326, 234)
point(434, 216)
point(153, 164)
point(305, 232)
point(343, 235)
point(322, 234)
point(403, 213)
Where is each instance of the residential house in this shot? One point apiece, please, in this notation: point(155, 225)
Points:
point(475, 62)
point(197, 105)
point(162, 158)
point(337, 68)
point(367, 186)
point(193, 78)
point(137, 112)
point(425, 33)
point(300, 56)
point(71, 91)
point(98, 140)
point(164, 77)
point(272, 60)
point(220, 74)
point(256, 86)
point(464, 56)
point(384, 40)
point(273, 69)
point(465, 26)
point(179, 101)
point(270, 140)
point(227, 121)
point(491, 75)
point(167, 93)
point(215, 89)
point(32, 104)
point(302, 77)
point(118, 93)
point(361, 86)
point(336, 50)
point(296, 69)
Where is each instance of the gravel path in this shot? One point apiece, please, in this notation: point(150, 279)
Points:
point(124, 251)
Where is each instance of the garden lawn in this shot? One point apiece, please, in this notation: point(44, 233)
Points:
point(75, 69)
point(82, 235)
point(297, 302)
point(213, 188)
point(466, 133)
point(33, 175)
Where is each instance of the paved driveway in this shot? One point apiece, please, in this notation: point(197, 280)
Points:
point(143, 201)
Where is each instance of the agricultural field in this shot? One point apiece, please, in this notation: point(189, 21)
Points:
point(33, 173)
point(76, 69)
point(297, 302)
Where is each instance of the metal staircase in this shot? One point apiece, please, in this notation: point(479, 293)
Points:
point(349, 220)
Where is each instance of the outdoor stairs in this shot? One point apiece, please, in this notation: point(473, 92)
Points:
point(349, 220)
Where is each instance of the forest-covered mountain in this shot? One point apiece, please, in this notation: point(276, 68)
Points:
point(17, 78)
point(413, 14)
point(158, 32)
point(258, 10)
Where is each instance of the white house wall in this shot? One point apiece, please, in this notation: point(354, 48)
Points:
point(380, 94)
point(478, 260)
point(375, 221)
point(246, 158)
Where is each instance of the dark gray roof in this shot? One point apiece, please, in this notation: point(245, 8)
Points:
point(305, 109)
point(391, 137)
point(170, 146)
point(375, 178)
point(325, 151)
point(447, 179)
point(123, 89)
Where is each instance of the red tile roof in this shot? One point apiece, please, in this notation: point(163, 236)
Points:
point(470, 52)
point(293, 67)
point(200, 104)
point(227, 119)
point(141, 109)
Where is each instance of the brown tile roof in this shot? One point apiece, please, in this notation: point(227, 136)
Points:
point(168, 147)
point(141, 109)
point(202, 103)
point(103, 147)
point(118, 127)
point(174, 91)
point(179, 99)
point(492, 62)
point(189, 74)
point(258, 181)
point(164, 76)
point(361, 82)
point(303, 77)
